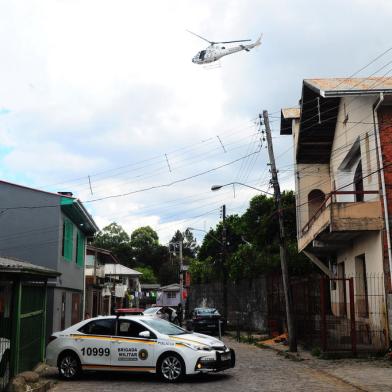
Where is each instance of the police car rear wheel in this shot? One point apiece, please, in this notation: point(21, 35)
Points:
point(69, 366)
point(171, 368)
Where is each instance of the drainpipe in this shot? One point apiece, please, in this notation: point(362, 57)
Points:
point(381, 175)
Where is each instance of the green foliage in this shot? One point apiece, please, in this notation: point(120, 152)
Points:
point(169, 272)
point(201, 271)
point(189, 245)
point(144, 238)
point(146, 249)
point(252, 242)
point(114, 238)
point(316, 351)
point(148, 275)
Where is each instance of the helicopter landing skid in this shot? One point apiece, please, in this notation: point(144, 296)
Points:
point(214, 65)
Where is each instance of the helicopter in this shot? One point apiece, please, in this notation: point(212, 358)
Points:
point(217, 50)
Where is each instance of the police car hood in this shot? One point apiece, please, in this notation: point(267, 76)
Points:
point(198, 338)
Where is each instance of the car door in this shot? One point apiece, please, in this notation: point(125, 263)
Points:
point(131, 351)
point(94, 343)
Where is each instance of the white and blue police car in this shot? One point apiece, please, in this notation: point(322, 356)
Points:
point(136, 344)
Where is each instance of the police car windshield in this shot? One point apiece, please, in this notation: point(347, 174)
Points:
point(164, 327)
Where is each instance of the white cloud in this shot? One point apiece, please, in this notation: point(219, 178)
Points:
point(95, 85)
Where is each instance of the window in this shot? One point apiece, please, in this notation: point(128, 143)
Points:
point(316, 199)
point(80, 249)
point(67, 246)
point(171, 294)
point(368, 163)
point(358, 183)
point(130, 328)
point(361, 289)
point(99, 327)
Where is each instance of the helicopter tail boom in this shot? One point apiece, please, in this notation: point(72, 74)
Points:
point(258, 41)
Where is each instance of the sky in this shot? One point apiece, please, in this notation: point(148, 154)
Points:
point(101, 98)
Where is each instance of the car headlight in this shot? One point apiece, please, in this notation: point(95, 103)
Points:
point(197, 347)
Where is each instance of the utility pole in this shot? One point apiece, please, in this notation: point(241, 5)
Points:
point(282, 240)
point(224, 267)
point(181, 276)
point(180, 246)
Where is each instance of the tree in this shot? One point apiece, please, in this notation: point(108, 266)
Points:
point(189, 245)
point(114, 238)
point(148, 275)
point(253, 242)
point(146, 249)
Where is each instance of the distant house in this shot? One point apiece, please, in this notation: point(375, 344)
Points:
point(169, 295)
point(122, 287)
point(49, 230)
point(96, 258)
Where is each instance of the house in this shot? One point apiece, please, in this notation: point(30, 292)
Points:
point(49, 230)
point(23, 302)
point(95, 302)
point(342, 138)
point(169, 295)
point(122, 287)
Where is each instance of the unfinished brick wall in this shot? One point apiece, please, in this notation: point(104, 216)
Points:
point(385, 126)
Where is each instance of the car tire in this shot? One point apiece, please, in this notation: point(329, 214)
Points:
point(171, 368)
point(69, 366)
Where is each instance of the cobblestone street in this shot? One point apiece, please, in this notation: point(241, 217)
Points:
point(257, 370)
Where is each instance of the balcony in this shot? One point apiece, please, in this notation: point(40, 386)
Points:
point(99, 271)
point(336, 223)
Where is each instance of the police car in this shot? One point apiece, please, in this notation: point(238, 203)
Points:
point(136, 344)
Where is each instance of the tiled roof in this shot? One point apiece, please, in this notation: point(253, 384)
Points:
point(335, 87)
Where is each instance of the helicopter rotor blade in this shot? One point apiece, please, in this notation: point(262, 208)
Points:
point(229, 42)
point(197, 35)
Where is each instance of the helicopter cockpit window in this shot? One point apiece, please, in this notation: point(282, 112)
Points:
point(202, 54)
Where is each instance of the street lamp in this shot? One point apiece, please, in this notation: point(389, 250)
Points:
point(204, 231)
point(217, 187)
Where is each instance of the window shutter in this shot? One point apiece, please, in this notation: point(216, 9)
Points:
point(80, 248)
point(68, 240)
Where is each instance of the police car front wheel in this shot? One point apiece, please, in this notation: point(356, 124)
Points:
point(69, 366)
point(171, 368)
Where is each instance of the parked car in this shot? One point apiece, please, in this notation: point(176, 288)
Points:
point(206, 320)
point(136, 344)
point(163, 312)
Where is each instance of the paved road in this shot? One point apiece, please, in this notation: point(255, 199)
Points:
point(256, 370)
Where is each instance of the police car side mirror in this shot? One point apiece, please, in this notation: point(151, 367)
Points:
point(145, 334)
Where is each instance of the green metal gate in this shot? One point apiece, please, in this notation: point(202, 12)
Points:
point(29, 331)
point(22, 316)
point(5, 331)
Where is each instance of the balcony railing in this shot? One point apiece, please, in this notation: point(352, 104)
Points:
point(328, 200)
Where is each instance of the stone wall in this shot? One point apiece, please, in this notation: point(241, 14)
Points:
point(247, 302)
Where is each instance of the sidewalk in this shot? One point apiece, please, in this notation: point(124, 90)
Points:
point(365, 374)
